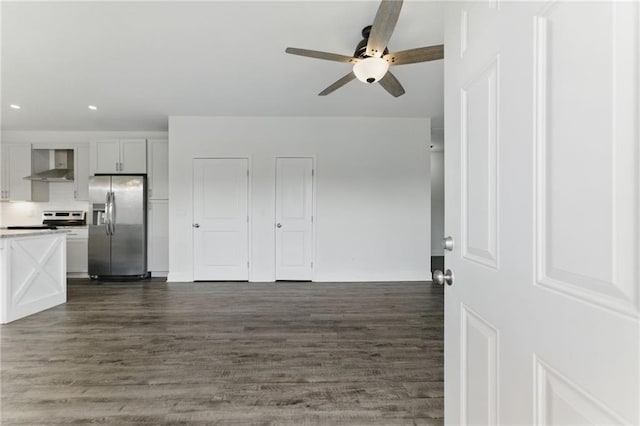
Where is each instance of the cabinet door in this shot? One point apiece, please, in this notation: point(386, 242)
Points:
point(158, 169)
point(81, 178)
point(77, 254)
point(133, 156)
point(4, 174)
point(107, 155)
point(158, 236)
point(17, 166)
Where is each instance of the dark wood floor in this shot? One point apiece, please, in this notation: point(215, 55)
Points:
point(228, 353)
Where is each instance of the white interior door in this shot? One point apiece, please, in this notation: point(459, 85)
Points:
point(220, 219)
point(294, 219)
point(542, 188)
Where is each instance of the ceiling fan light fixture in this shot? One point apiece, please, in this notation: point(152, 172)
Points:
point(370, 70)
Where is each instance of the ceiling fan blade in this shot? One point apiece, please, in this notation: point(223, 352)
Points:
point(392, 85)
point(338, 84)
point(321, 55)
point(420, 54)
point(383, 26)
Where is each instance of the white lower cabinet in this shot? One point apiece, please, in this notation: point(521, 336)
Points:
point(78, 251)
point(32, 273)
point(158, 237)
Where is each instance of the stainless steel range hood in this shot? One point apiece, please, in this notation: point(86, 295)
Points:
point(58, 165)
point(53, 175)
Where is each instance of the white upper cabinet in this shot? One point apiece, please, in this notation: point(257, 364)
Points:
point(158, 169)
point(133, 156)
point(120, 156)
point(107, 155)
point(16, 165)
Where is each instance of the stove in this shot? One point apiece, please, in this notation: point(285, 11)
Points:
point(64, 218)
point(32, 227)
point(59, 219)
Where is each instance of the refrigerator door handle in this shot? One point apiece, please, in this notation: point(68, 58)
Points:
point(112, 220)
point(107, 202)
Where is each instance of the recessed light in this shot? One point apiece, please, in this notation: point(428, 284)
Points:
point(93, 107)
point(14, 106)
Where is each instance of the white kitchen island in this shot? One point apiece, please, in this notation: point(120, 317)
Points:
point(33, 272)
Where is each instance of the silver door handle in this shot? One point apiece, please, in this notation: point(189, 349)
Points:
point(112, 220)
point(106, 213)
point(196, 225)
point(441, 278)
point(279, 225)
point(447, 243)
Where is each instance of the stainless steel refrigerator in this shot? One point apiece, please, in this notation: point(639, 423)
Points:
point(118, 226)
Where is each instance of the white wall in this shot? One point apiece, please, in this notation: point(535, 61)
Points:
point(437, 202)
point(60, 194)
point(373, 192)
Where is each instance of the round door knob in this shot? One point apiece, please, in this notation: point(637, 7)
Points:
point(279, 225)
point(440, 278)
point(196, 225)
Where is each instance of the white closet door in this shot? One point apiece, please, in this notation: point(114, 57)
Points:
point(294, 219)
point(220, 219)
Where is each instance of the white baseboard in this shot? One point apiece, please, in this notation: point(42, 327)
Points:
point(177, 278)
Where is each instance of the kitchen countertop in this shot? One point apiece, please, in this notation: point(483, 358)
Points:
point(15, 233)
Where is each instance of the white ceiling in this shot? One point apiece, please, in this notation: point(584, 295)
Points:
point(142, 62)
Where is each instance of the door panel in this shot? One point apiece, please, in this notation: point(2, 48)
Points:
point(221, 213)
point(158, 169)
point(158, 236)
point(133, 156)
point(479, 121)
point(479, 370)
point(541, 193)
point(294, 215)
point(602, 271)
point(107, 156)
